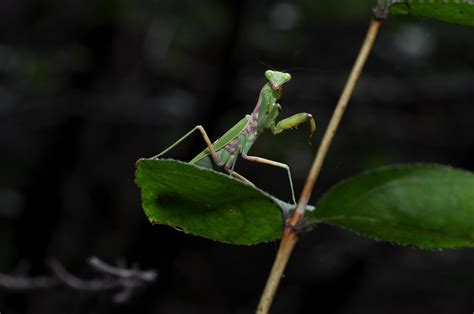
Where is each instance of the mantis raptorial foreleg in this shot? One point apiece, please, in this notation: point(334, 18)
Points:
point(293, 122)
point(212, 151)
point(276, 164)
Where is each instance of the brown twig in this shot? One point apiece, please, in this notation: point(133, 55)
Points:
point(290, 235)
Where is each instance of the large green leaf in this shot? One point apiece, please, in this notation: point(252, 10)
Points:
point(424, 205)
point(452, 11)
point(207, 203)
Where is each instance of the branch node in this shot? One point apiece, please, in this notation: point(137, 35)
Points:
point(380, 12)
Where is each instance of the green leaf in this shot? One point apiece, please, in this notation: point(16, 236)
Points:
point(207, 203)
point(424, 205)
point(452, 11)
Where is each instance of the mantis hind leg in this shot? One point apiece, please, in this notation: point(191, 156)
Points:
point(206, 139)
point(276, 164)
point(212, 151)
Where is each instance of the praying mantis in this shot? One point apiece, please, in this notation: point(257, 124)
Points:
point(224, 152)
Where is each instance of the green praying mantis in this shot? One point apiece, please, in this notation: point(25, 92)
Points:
point(224, 152)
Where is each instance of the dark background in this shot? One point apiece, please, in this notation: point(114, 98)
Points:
point(88, 87)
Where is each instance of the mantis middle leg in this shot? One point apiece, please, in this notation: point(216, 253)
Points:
point(285, 124)
point(276, 164)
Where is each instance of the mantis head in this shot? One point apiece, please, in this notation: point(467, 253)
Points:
point(277, 79)
point(267, 106)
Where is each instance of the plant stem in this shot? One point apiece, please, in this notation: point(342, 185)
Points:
point(338, 113)
point(287, 244)
point(290, 234)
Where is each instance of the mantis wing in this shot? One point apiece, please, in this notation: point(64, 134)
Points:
point(224, 139)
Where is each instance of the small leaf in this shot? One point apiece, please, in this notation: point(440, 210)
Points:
point(424, 205)
point(207, 203)
point(452, 11)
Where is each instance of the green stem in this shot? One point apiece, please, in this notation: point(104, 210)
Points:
point(290, 235)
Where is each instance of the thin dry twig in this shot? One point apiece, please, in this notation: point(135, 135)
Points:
point(134, 272)
point(124, 281)
point(70, 280)
point(24, 283)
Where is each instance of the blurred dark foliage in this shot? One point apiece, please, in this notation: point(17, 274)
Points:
point(88, 87)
